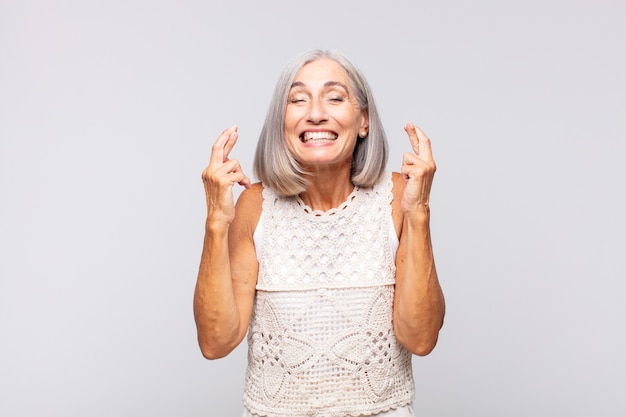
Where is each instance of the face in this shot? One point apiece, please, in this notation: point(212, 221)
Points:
point(323, 119)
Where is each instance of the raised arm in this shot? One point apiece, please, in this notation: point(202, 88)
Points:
point(225, 288)
point(419, 305)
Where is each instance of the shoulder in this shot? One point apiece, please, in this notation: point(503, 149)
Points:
point(252, 197)
point(398, 185)
point(248, 209)
point(398, 190)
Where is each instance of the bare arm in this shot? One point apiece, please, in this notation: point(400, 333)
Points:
point(224, 293)
point(419, 306)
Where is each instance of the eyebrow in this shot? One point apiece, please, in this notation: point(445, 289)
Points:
point(326, 84)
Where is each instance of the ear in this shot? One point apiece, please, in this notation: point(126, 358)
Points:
point(364, 126)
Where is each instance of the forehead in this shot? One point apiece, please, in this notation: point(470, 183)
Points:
point(322, 71)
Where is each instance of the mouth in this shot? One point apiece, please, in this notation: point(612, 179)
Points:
point(318, 137)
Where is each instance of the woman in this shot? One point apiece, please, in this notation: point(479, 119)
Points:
point(326, 263)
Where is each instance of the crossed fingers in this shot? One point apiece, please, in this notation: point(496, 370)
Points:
point(419, 142)
point(221, 165)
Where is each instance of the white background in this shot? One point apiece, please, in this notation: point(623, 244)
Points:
point(108, 110)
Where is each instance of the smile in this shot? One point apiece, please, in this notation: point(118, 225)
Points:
point(318, 137)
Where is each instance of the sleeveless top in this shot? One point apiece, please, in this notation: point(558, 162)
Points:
point(321, 341)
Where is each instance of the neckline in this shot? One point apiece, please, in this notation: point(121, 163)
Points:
point(307, 210)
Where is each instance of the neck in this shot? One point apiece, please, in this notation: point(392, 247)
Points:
point(327, 190)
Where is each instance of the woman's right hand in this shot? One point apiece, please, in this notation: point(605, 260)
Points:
point(219, 178)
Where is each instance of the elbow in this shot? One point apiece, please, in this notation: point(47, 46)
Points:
point(418, 340)
point(424, 348)
point(211, 351)
point(216, 341)
point(213, 347)
point(212, 354)
point(420, 346)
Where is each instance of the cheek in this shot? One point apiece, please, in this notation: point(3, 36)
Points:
point(291, 120)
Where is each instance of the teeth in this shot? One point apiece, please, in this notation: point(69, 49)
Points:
point(308, 136)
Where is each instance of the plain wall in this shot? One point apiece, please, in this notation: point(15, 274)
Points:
point(107, 115)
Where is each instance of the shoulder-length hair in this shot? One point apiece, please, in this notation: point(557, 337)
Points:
point(276, 167)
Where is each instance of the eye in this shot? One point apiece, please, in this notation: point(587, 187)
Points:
point(296, 100)
point(335, 96)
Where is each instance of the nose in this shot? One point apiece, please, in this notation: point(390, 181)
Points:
point(317, 112)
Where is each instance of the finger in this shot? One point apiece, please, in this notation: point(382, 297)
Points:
point(411, 131)
point(412, 166)
point(236, 176)
point(425, 150)
point(219, 168)
point(415, 165)
point(230, 166)
point(245, 182)
point(409, 158)
point(232, 171)
point(230, 143)
point(221, 147)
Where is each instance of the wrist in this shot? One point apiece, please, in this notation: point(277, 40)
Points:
point(418, 217)
point(216, 227)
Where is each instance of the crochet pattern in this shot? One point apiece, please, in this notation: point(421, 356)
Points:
point(321, 339)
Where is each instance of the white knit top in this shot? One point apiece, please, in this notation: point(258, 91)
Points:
point(321, 339)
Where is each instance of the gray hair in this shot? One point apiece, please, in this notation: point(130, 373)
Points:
point(276, 167)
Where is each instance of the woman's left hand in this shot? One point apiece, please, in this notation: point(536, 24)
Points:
point(419, 169)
